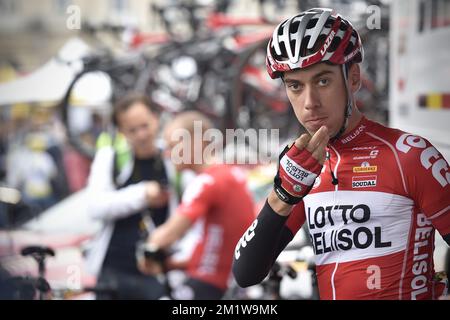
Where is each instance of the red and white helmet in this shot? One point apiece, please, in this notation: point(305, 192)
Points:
point(311, 37)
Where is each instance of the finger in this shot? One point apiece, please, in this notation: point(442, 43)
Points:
point(302, 141)
point(321, 147)
point(320, 152)
point(141, 265)
point(318, 139)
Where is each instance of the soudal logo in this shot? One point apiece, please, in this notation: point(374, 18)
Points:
point(364, 181)
point(327, 42)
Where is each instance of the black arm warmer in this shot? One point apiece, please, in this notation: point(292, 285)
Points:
point(258, 248)
point(447, 238)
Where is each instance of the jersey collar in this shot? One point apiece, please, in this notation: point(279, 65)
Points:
point(354, 135)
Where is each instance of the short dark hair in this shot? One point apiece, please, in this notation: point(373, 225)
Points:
point(127, 101)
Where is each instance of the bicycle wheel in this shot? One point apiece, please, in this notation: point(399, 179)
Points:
point(120, 78)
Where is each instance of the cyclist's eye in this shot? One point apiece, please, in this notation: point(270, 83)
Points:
point(323, 82)
point(294, 86)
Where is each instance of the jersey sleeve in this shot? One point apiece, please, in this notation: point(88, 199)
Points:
point(198, 197)
point(426, 176)
point(296, 218)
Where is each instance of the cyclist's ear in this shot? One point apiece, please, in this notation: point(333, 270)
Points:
point(354, 76)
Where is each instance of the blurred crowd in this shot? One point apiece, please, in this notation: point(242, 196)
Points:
point(36, 158)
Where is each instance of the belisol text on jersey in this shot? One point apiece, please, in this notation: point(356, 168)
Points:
point(360, 237)
point(295, 171)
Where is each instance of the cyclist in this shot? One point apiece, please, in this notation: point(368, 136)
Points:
point(371, 196)
point(219, 196)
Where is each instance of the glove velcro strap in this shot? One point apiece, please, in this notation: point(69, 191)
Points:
point(282, 194)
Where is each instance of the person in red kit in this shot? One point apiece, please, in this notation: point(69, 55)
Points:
point(371, 196)
point(219, 196)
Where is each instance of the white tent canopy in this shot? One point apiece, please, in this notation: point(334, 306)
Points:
point(50, 82)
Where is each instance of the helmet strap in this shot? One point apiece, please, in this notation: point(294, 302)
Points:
point(348, 107)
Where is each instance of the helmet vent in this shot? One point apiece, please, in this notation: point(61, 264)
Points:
point(293, 28)
point(334, 44)
point(349, 48)
point(303, 50)
point(311, 23)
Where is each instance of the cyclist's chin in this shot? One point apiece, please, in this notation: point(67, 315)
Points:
point(312, 129)
point(144, 151)
point(182, 166)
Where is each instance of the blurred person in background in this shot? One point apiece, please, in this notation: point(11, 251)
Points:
point(4, 128)
point(219, 196)
point(33, 171)
point(130, 198)
point(45, 120)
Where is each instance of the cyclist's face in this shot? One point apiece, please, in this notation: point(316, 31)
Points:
point(318, 96)
point(176, 153)
point(180, 147)
point(139, 125)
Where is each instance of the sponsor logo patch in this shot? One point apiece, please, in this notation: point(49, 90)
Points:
point(364, 169)
point(364, 181)
point(354, 134)
point(364, 148)
point(438, 167)
point(344, 227)
point(372, 155)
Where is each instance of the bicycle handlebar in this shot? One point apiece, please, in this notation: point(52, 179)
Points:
point(37, 251)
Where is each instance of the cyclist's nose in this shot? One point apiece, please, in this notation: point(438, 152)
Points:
point(143, 133)
point(311, 98)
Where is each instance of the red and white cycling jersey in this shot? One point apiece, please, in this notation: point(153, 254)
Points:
point(373, 232)
point(220, 196)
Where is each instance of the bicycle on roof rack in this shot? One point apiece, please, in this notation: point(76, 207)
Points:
point(219, 70)
point(209, 72)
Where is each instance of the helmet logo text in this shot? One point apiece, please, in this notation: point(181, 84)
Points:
point(327, 42)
